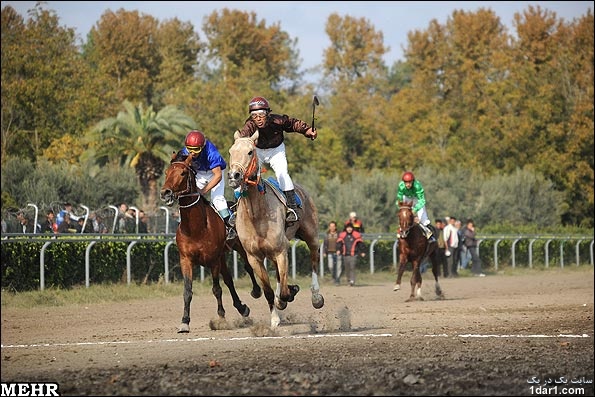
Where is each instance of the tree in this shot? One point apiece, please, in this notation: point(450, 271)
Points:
point(45, 91)
point(142, 139)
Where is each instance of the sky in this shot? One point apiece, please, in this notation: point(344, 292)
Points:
point(306, 20)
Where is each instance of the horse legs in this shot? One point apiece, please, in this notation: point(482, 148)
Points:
point(256, 290)
point(237, 303)
point(185, 326)
point(436, 271)
point(400, 271)
point(260, 271)
point(217, 290)
point(317, 298)
point(415, 283)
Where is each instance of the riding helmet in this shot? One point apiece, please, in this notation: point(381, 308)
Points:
point(258, 103)
point(408, 176)
point(194, 139)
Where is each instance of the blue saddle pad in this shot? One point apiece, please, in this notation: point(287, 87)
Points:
point(274, 182)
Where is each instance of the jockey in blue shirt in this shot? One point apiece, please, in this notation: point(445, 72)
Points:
point(208, 164)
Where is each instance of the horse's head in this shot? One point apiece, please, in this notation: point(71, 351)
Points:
point(243, 162)
point(406, 217)
point(179, 179)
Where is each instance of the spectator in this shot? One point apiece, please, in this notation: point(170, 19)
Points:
point(4, 226)
point(350, 245)
point(410, 189)
point(121, 215)
point(451, 238)
point(67, 226)
point(441, 247)
point(80, 223)
point(461, 250)
point(270, 147)
point(67, 210)
point(130, 221)
point(208, 166)
point(471, 244)
point(358, 225)
point(330, 249)
point(26, 225)
point(98, 225)
point(50, 225)
point(143, 224)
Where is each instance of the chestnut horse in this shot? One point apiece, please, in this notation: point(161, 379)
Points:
point(261, 226)
point(414, 247)
point(200, 238)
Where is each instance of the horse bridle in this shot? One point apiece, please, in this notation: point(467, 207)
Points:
point(252, 169)
point(404, 233)
point(189, 184)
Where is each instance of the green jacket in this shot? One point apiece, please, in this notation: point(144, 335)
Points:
point(416, 191)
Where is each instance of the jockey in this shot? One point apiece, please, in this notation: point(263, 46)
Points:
point(270, 146)
point(411, 189)
point(208, 164)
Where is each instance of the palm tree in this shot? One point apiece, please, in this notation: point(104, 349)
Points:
point(143, 139)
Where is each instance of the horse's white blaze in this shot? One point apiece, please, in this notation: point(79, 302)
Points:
point(275, 319)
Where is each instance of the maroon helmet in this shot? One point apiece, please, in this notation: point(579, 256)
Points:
point(195, 141)
point(258, 103)
point(408, 177)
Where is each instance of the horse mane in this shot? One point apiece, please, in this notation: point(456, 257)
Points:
point(176, 157)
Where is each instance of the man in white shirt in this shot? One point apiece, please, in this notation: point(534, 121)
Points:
point(451, 238)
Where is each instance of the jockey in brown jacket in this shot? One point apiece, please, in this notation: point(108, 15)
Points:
point(270, 145)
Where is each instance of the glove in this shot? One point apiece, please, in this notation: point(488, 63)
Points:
point(447, 253)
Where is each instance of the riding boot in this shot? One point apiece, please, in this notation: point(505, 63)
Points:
point(427, 232)
point(226, 214)
point(291, 206)
point(230, 227)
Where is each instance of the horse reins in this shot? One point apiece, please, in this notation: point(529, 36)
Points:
point(188, 192)
point(404, 233)
point(253, 168)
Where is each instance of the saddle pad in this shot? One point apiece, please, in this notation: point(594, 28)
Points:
point(273, 182)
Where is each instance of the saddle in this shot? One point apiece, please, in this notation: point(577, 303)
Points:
point(272, 182)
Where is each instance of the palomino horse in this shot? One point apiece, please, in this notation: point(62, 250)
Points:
point(414, 247)
point(261, 227)
point(201, 238)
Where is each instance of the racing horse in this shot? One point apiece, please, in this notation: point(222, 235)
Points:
point(200, 238)
point(262, 229)
point(414, 247)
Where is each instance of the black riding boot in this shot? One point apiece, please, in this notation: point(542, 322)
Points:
point(292, 207)
point(230, 227)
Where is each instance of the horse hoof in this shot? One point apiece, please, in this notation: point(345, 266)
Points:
point(246, 312)
point(281, 305)
point(293, 290)
point(184, 329)
point(256, 293)
point(317, 301)
point(396, 287)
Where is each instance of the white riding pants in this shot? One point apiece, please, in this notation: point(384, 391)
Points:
point(276, 158)
point(421, 214)
point(217, 193)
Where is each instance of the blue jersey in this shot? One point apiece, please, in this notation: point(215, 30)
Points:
point(208, 159)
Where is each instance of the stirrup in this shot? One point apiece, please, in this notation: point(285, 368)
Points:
point(291, 215)
point(231, 233)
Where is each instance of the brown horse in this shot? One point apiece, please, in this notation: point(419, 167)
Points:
point(414, 247)
point(261, 226)
point(201, 238)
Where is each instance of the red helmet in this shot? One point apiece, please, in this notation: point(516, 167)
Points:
point(194, 140)
point(408, 176)
point(258, 103)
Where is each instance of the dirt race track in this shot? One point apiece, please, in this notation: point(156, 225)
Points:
point(499, 335)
